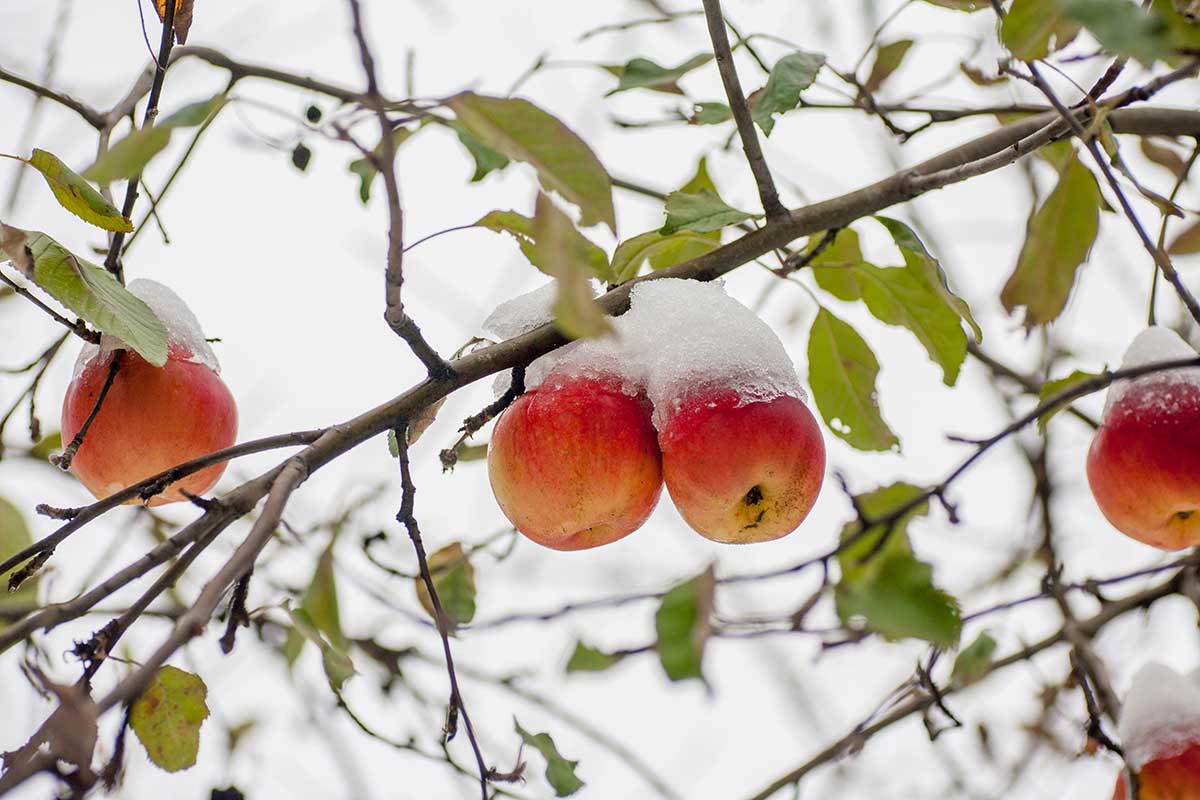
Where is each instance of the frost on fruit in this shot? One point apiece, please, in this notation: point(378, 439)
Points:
point(183, 329)
point(1153, 345)
point(1161, 715)
point(678, 337)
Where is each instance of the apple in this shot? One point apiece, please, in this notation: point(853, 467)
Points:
point(152, 419)
point(1176, 777)
point(1144, 463)
point(574, 462)
point(742, 472)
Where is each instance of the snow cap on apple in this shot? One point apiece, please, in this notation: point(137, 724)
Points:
point(1144, 463)
point(1159, 729)
point(742, 455)
point(152, 418)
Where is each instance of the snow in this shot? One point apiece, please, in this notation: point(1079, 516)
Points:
point(521, 314)
point(1153, 345)
point(678, 337)
point(183, 329)
point(1161, 715)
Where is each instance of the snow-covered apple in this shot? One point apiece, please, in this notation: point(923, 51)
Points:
point(574, 462)
point(1144, 463)
point(152, 418)
point(1160, 731)
point(742, 472)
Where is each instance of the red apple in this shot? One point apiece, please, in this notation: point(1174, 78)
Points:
point(574, 462)
point(742, 472)
point(152, 419)
point(1144, 463)
point(1176, 777)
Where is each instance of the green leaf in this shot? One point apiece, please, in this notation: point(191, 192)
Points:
point(1122, 28)
point(89, 291)
point(700, 180)
point(887, 60)
point(1187, 242)
point(454, 579)
point(683, 624)
point(365, 169)
point(557, 252)
point(921, 263)
point(523, 132)
point(559, 771)
point(1051, 388)
point(662, 251)
point(973, 660)
point(642, 73)
point(884, 583)
point(77, 195)
point(1033, 29)
point(962, 5)
point(1059, 237)
point(15, 537)
point(589, 659)
point(128, 157)
point(790, 76)
point(49, 444)
point(896, 296)
point(486, 159)
point(319, 620)
point(710, 113)
point(167, 718)
point(701, 212)
point(520, 228)
point(833, 267)
point(842, 371)
point(338, 666)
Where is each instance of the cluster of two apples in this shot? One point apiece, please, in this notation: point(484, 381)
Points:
point(692, 390)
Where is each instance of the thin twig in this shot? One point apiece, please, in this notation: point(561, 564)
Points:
point(741, 112)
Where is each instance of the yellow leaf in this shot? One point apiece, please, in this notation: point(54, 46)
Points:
point(183, 17)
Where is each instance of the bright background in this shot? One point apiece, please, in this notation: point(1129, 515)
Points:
point(286, 268)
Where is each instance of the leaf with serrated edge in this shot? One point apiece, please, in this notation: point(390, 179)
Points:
point(167, 717)
point(129, 157)
point(919, 261)
point(524, 132)
point(842, 372)
point(76, 195)
point(560, 772)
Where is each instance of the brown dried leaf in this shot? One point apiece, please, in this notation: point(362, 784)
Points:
point(183, 17)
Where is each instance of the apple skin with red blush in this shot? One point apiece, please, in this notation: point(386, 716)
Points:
point(1176, 777)
point(152, 419)
point(574, 463)
point(1144, 463)
point(742, 472)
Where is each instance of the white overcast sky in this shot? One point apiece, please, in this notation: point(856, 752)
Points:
point(286, 268)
